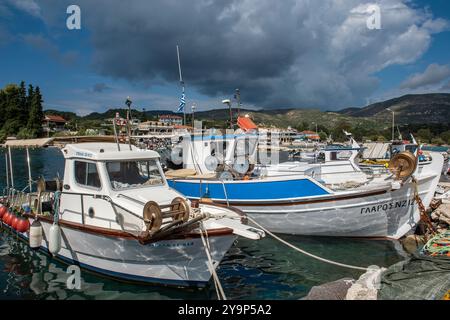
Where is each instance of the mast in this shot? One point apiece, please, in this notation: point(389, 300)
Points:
point(11, 168)
point(7, 171)
point(237, 95)
point(182, 101)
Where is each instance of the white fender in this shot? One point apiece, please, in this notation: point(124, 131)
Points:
point(54, 239)
point(176, 155)
point(211, 163)
point(241, 165)
point(36, 235)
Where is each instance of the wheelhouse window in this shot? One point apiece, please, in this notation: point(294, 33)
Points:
point(86, 174)
point(133, 174)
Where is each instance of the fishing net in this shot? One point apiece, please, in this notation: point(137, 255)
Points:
point(421, 277)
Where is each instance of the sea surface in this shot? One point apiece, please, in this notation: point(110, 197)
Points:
point(264, 269)
point(436, 148)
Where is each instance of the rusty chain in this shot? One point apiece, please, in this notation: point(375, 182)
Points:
point(423, 211)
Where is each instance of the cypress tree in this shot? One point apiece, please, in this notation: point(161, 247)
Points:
point(36, 115)
point(29, 99)
point(11, 113)
point(23, 107)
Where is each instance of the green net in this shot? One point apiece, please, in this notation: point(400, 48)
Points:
point(417, 278)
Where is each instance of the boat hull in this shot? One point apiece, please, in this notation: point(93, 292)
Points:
point(175, 262)
point(391, 213)
point(386, 212)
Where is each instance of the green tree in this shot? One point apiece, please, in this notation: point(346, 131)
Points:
point(36, 114)
point(323, 136)
point(437, 141)
point(11, 122)
point(338, 132)
point(445, 136)
point(23, 103)
point(302, 126)
point(424, 135)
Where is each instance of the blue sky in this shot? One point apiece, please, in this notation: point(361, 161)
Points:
point(289, 54)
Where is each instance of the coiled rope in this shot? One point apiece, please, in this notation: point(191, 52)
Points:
point(305, 252)
point(219, 289)
point(56, 207)
point(438, 245)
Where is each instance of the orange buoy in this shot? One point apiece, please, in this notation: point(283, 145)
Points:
point(3, 210)
point(22, 225)
point(14, 220)
point(7, 217)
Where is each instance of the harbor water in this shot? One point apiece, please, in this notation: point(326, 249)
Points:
point(264, 269)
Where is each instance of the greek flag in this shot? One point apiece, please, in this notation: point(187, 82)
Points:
point(182, 103)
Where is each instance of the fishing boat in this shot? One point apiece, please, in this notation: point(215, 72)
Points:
point(302, 200)
point(114, 213)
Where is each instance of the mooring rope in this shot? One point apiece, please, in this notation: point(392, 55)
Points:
point(219, 289)
point(305, 252)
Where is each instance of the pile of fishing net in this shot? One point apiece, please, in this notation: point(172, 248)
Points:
point(425, 275)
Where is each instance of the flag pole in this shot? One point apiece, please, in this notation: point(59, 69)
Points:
point(181, 82)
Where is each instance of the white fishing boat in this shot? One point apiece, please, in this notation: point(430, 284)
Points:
point(114, 213)
point(301, 199)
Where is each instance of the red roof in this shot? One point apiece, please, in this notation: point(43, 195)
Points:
point(179, 126)
point(308, 132)
point(54, 118)
point(246, 124)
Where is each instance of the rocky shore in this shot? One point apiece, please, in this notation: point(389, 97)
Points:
point(417, 277)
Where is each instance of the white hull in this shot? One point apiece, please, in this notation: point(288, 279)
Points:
point(178, 262)
point(385, 214)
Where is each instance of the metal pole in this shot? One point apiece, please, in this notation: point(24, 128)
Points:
point(182, 84)
point(29, 173)
point(11, 168)
point(179, 64)
point(238, 98)
point(128, 103)
point(231, 116)
point(115, 134)
point(7, 171)
point(393, 126)
point(193, 112)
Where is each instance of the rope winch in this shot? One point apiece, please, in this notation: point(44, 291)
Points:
point(157, 218)
point(403, 165)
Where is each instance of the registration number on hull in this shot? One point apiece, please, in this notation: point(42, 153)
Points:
point(388, 206)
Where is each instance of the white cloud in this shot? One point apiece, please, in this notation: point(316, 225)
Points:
point(29, 6)
point(433, 74)
point(291, 53)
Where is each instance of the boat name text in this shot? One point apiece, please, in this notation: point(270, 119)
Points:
point(388, 206)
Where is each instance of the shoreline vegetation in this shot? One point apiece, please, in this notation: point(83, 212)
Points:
point(21, 111)
point(22, 117)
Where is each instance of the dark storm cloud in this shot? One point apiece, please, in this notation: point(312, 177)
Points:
point(41, 43)
point(291, 53)
point(99, 87)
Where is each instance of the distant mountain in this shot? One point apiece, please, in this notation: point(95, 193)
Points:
point(410, 109)
point(65, 114)
point(288, 117)
point(111, 113)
